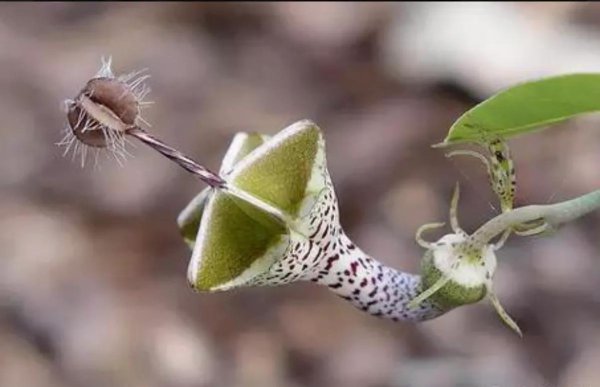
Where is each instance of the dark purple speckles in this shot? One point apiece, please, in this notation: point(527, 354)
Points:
point(313, 220)
point(373, 292)
point(286, 276)
point(330, 258)
point(353, 266)
point(330, 261)
point(325, 232)
point(316, 230)
point(361, 263)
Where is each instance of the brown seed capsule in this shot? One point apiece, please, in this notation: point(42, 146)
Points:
point(78, 121)
point(104, 105)
point(103, 111)
point(106, 110)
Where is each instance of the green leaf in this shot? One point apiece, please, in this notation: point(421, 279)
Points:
point(527, 107)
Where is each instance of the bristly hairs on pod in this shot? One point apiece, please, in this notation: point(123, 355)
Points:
point(107, 110)
point(102, 112)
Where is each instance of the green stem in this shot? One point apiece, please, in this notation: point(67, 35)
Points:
point(552, 214)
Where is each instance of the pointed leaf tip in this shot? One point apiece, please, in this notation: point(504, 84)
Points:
point(528, 106)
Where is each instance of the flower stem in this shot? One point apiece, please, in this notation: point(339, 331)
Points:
point(206, 175)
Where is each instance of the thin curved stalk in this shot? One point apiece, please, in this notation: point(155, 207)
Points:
point(553, 214)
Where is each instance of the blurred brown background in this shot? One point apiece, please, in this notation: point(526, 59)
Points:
point(93, 285)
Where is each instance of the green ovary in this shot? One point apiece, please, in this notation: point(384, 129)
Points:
point(452, 294)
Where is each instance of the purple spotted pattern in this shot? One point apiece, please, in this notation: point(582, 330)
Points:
point(328, 257)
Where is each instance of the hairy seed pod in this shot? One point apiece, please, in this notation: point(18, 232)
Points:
point(104, 104)
point(103, 111)
point(108, 109)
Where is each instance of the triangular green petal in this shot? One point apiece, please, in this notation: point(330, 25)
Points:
point(189, 219)
point(240, 234)
point(278, 171)
point(229, 243)
point(241, 145)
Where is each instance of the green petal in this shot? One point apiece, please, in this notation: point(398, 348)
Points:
point(229, 242)
point(237, 240)
point(278, 171)
point(241, 145)
point(189, 219)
